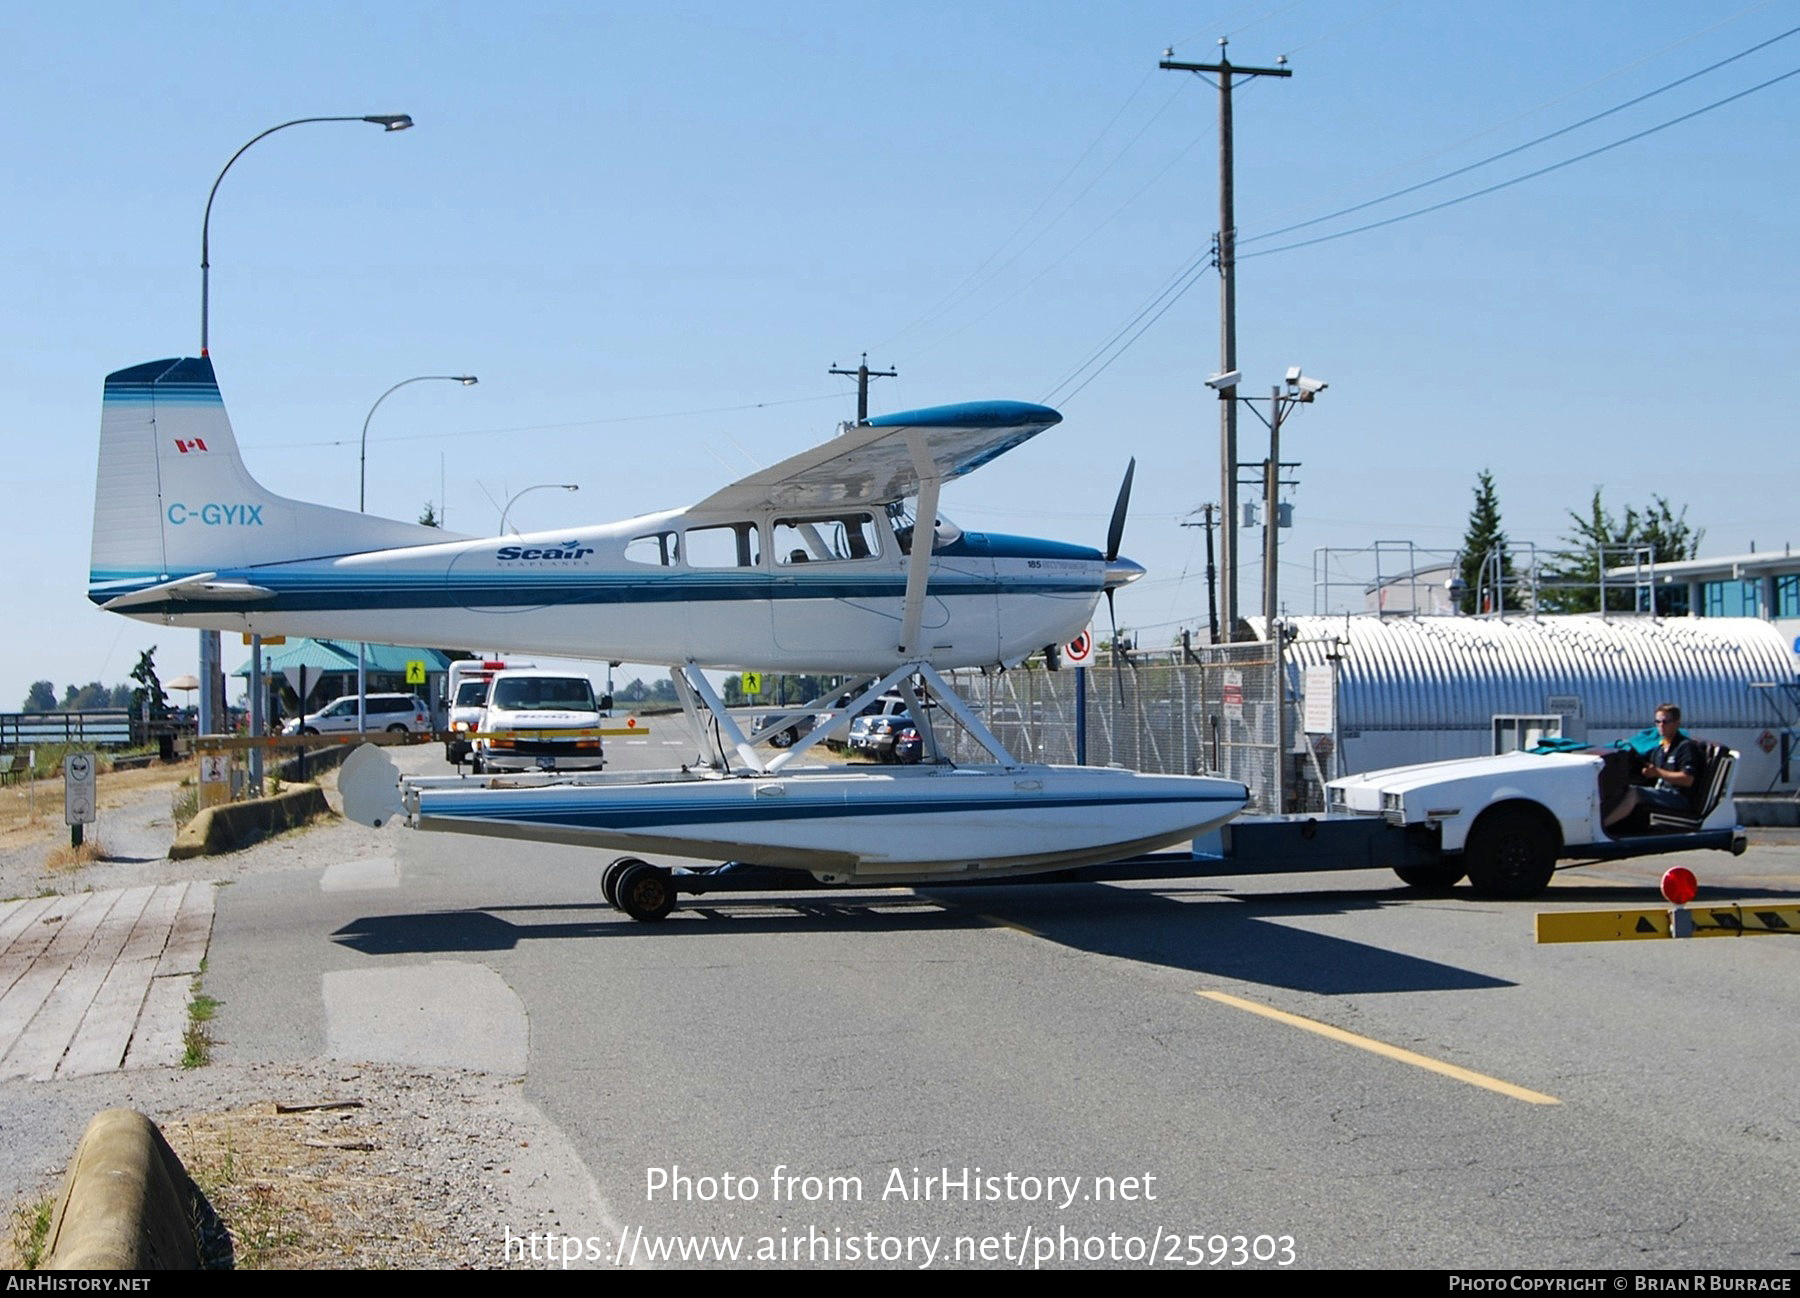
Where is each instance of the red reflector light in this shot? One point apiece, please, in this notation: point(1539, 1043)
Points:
point(1679, 886)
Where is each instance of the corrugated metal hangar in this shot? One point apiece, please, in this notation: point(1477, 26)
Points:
point(1418, 689)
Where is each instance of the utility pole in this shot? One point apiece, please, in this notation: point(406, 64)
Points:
point(1226, 256)
point(862, 374)
point(1212, 602)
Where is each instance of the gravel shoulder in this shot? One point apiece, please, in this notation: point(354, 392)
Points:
point(321, 1163)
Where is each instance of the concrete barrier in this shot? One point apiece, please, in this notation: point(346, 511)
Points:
point(125, 1202)
point(234, 825)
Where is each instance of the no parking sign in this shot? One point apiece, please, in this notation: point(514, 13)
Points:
point(1079, 652)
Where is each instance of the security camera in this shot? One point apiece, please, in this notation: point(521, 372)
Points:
point(1226, 381)
point(1308, 388)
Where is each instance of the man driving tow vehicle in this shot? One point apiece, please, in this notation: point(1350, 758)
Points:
point(1673, 766)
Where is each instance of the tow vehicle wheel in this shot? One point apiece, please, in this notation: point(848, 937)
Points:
point(609, 878)
point(1430, 880)
point(646, 893)
point(1510, 855)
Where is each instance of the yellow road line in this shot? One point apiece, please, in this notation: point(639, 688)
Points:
point(1382, 1048)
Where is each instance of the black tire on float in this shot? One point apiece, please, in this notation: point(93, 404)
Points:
point(1430, 880)
point(646, 893)
point(1511, 854)
point(609, 878)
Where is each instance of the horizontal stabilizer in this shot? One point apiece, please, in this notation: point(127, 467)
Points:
point(202, 586)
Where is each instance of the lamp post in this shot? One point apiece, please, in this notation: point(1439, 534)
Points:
point(362, 487)
point(1298, 389)
point(387, 121)
point(362, 463)
point(542, 486)
point(212, 693)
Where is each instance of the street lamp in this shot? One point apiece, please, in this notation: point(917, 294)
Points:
point(212, 696)
point(387, 121)
point(362, 463)
point(565, 486)
point(1298, 389)
point(362, 483)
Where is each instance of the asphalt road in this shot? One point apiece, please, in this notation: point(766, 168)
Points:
point(1061, 1075)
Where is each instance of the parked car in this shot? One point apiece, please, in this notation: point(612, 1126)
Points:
point(394, 713)
point(540, 720)
point(797, 728)
point(878, 735)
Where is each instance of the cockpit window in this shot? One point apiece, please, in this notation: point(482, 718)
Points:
point(825, 538)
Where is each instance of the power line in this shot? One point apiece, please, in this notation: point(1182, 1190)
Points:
point(547, 428)
point(1530, 175)
point(1520, 148)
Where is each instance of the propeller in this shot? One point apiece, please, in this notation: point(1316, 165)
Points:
point(1115, 533)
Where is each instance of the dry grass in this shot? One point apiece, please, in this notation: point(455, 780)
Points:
point(299, 1190)
point(34, 816)
point(68, 857)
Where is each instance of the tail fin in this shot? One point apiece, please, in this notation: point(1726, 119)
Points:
point(174, 500)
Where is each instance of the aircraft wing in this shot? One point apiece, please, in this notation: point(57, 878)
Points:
point(874, 463)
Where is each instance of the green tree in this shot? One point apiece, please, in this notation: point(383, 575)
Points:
point(89, 697)
point(1483, 540)
point(1599, 541)
point(41, 697)
point(149, 688)
point(430, 517)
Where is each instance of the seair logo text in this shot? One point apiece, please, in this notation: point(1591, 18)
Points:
point(567, 550)
point(216, 515)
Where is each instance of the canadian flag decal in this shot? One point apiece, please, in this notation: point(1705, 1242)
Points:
point(184, 447)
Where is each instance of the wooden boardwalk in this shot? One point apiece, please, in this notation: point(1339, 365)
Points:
point(96, 981)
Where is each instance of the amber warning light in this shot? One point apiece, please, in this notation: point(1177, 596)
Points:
point(1679, 886)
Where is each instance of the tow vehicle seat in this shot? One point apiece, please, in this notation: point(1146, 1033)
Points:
point(1716, 762)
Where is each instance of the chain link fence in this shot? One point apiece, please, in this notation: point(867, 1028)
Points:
point(1209, 711)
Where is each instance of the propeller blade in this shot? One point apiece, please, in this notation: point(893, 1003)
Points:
point(1113, 614)
point(1115, 532)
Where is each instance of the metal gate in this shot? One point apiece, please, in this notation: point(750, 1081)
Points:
point(1210, 711)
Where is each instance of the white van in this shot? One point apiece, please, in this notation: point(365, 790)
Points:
point(540, 720)
point(464, 701)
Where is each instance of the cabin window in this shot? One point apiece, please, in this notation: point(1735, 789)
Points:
point(826, 538)
point(658, 549)
point(730, 545)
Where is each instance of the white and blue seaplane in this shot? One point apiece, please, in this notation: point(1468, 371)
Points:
point(835, 560)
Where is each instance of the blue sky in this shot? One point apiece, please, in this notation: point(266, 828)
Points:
point(651, 230)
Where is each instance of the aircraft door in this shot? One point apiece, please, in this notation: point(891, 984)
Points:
point(840, 585)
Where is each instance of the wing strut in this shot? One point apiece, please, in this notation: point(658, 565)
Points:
point(691, 683)
point(924, 540)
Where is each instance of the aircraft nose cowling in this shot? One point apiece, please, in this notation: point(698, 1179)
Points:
point(1122, 572)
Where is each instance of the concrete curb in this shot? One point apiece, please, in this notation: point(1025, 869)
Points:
point(124, 1202)
point(235, 825)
